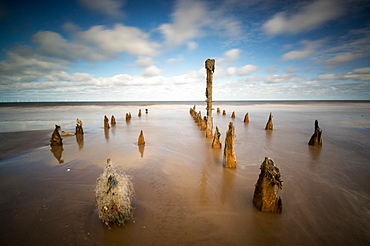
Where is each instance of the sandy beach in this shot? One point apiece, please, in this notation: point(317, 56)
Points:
point(183, 194)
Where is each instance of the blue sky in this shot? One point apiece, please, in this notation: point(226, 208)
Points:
point(155, 50)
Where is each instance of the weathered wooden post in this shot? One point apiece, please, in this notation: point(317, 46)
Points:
point(113, 120)
point(269, 125)
point(210, 67)
point(79, 129)
point(106, 122)
point(140, 140)
point(316, 139)
point(246, 118)
point(229, 151)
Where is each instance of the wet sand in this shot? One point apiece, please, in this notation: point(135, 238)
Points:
point(183, 194)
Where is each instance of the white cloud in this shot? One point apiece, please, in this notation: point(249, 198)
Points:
point(110, 8)
point(151, 71)
point(358, 74)
point(246, 70)
point(189, 78)
point(308, 17)
point(343, 57)
point(193, 19)
point(272, 69)
point(120, 38)
point(291, 69)
point(275, 79)
point(310, 48)
point(231, 71)
point(192, 45)
point(144, 61)
point(54, 45)
point(179, 58)
point(230, 55)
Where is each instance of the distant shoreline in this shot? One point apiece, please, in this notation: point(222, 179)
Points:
point(142, 103)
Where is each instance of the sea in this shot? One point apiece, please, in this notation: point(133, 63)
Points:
point(184, 196)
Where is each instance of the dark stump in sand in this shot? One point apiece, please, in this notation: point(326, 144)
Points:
point(106, 122)
point(229, 151)
point(224, 112)
point(316, 139)
point(56, 139)
point(216, 144)
point(269, 125)
point(79, 129)
point(233, 114)
point(140, 140)
point(113, 120)
point(139, 114)
point(128, 116)
point(265, 197)
point(246, 118)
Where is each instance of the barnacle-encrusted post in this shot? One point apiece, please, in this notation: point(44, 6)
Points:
point(265, 197)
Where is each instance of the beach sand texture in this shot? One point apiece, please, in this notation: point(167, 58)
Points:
point(183, 194)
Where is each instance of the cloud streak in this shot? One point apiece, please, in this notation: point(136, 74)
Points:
point(111, 8)
point(306, 18)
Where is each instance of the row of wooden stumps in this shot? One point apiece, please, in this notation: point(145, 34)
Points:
point(114, 122)
point(265, 197)
point(56, 139)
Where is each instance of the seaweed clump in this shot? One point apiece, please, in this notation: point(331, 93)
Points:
point(114, 193)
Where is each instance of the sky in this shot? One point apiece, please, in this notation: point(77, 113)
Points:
point(155, 50)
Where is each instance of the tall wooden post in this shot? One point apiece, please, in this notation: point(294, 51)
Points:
point(210, 67)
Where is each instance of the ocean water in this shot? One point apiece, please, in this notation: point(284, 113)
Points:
point(183, 194)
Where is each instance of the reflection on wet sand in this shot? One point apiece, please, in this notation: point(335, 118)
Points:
point(203, 188)
point(141, 148)
point(315, 153)
point(106, 133)
point(57, 152)
point(80, 140)
point(228, 178)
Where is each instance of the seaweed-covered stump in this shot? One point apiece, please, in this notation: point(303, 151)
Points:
point(56, 139)
point(79, 129)
point(114, 193)
point(216, 144)
point(229, 150)
point(265, 197)
point(316, 139)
